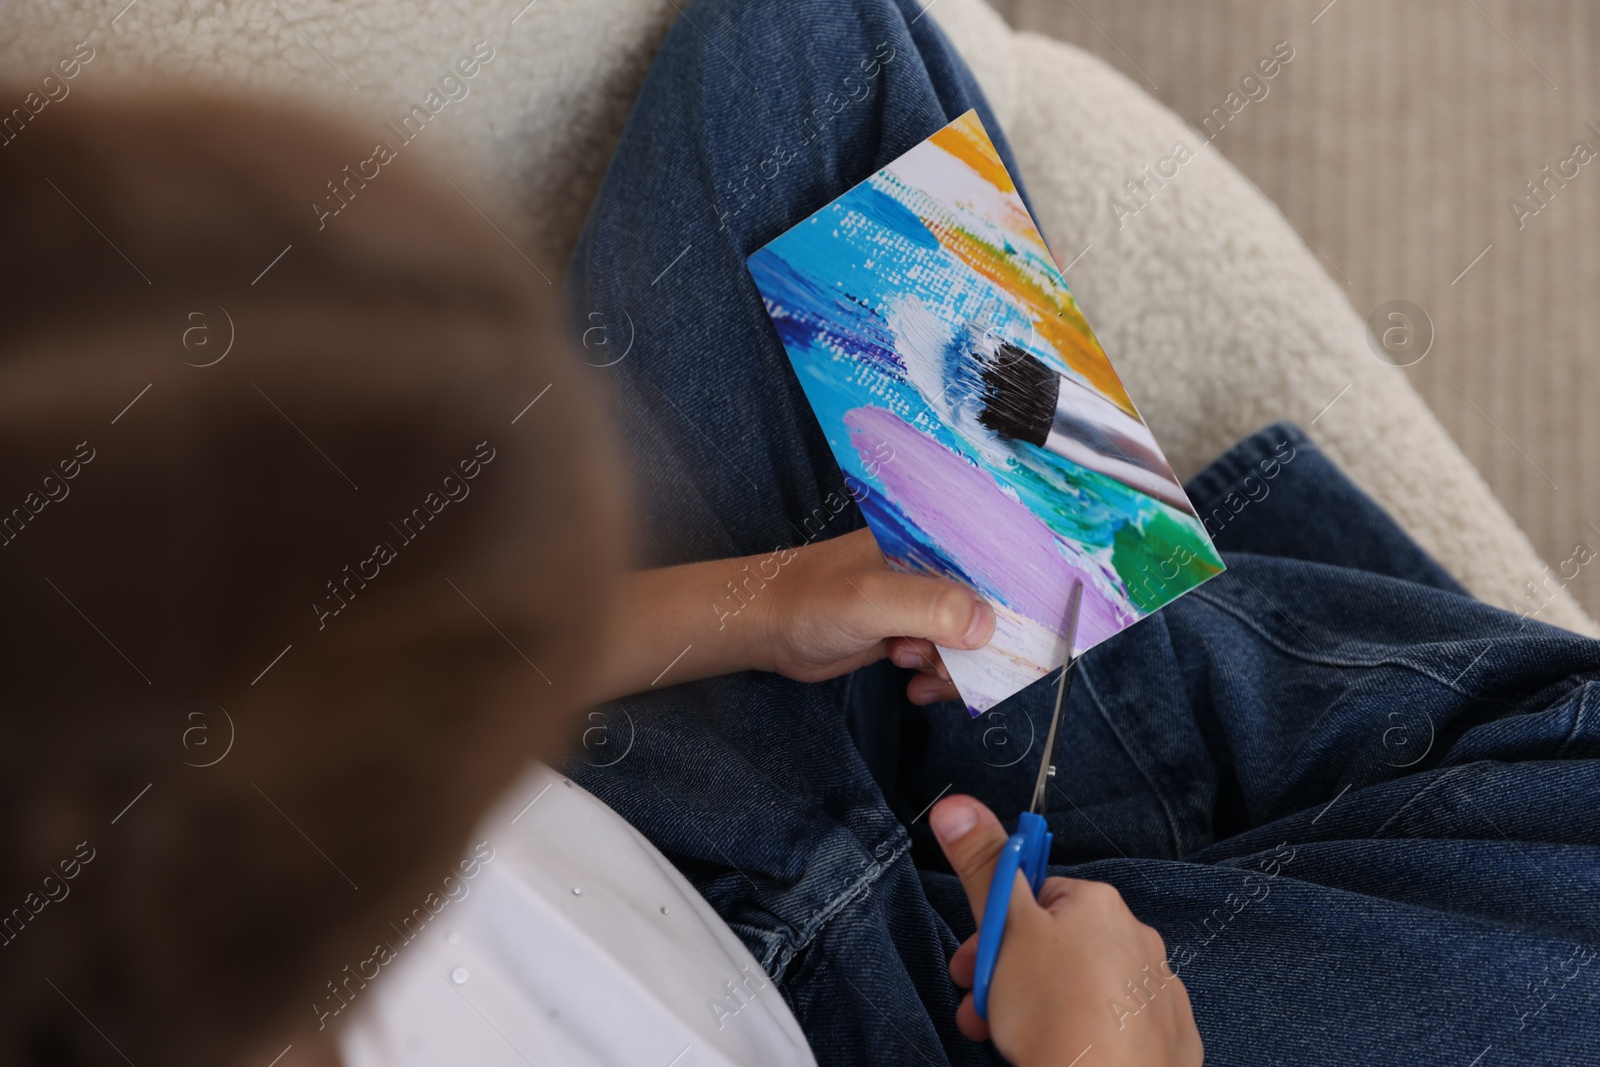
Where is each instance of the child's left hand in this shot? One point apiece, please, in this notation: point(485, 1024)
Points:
point(826, 609)
point(836, 606)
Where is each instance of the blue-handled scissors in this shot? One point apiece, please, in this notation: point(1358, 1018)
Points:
point(1028, 850)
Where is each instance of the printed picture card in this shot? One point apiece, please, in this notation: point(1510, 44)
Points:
point(984, 432)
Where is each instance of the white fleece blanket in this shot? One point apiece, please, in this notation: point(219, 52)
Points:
point(1216, 313)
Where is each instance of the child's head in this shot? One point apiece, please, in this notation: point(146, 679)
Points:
point(294, 580)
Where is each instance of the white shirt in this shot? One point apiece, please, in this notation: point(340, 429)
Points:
point(576, 944)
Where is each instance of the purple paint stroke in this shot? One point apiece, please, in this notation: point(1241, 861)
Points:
point(1007, 550)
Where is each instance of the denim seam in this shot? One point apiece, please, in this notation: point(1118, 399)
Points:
point(772, 958)
point(1332, 661)
point(803, 936)
point(1105, 715)
point(1228, 471)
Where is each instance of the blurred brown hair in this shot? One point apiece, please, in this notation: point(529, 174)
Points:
point(373, 359)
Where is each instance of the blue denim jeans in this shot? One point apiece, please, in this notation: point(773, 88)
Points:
point(1362, 808)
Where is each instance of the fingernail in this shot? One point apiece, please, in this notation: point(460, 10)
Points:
point(953, 820)
point(906, 658)
point(982, 620)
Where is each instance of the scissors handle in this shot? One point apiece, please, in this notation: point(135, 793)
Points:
point(1026, 852)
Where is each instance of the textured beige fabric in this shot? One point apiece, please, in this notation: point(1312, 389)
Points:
point(1393, 142)
point(528, 145)
point(1216, 313)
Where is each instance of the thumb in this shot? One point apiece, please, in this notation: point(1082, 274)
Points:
point(972, 838)
point(909, 605)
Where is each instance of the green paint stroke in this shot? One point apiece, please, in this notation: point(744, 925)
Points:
point(1161, 558)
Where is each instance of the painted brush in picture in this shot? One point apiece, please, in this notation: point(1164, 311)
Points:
point(967, 400)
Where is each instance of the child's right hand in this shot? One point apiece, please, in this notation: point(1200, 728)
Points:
point(1061, 985)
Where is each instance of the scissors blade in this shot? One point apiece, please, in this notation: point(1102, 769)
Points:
point(1041, 784)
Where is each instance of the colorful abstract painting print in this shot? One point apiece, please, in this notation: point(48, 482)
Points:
point(979, 424)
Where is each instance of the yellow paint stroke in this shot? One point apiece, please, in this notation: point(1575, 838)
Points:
point(966, 139)
point(1045, 297)
point(1059, 322)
